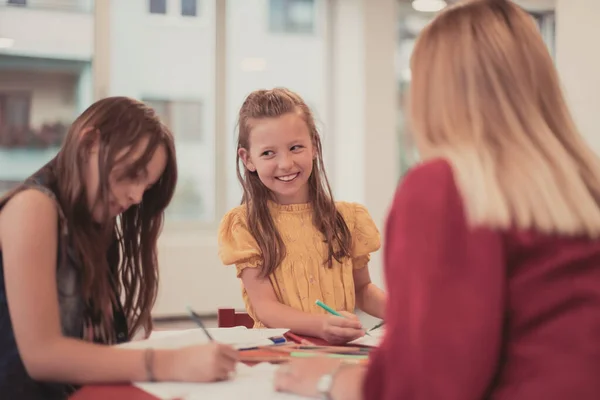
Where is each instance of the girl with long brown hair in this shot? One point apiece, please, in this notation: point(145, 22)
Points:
point(290, 242)
point(78, 261)
point(493, 242)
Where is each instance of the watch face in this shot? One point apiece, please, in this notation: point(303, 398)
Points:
point(324, 385)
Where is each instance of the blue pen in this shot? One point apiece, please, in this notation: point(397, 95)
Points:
point(332, 311)
point(277, 340)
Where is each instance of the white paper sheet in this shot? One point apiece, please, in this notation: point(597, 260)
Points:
point(252, 383)
point(239, 337)
point(374, 340)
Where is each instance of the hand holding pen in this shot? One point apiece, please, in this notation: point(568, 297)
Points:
point(200, 363)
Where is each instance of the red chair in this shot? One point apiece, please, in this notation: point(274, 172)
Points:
point(228, 318)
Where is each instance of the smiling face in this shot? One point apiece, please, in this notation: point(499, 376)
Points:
point(281, 153)
point(126, 184)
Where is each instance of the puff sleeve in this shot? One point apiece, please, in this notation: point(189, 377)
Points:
point(365, 237)
point(237, 246)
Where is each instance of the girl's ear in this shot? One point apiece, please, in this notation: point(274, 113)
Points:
point(245, 156)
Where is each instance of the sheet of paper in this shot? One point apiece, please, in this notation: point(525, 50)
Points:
point(253, 383)
point(239, 337)
point(242, 337)
point(373, 340)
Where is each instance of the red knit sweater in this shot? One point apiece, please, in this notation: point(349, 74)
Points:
point(482, 314)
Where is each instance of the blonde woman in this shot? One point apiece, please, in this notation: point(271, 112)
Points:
point(492, 243)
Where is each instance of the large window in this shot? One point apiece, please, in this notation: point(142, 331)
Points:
point(194, 194)
point(410, 23)
point(412, 17)
point(36, 108)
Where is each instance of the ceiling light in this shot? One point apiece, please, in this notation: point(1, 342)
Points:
point(428, 5)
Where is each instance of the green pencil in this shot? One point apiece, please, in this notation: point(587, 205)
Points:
point(331, 311)
point(327, 308)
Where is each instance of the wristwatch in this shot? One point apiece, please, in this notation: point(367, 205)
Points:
point(325, 383)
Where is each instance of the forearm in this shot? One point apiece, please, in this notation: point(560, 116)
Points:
point(348, 382)
point(371, 300)
point(276, 315)
point(78, 362)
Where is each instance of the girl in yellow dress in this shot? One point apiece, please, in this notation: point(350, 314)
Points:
point(290, 242)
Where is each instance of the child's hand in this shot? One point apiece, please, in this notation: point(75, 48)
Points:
point(341, 330)
point(206, 363)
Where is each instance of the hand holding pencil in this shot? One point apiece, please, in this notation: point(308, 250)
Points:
point(200, 363)
point(340, 327)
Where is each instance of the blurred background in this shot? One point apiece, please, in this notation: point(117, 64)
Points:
point(194, 61)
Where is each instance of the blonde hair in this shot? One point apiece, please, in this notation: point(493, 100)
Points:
point(485, 96)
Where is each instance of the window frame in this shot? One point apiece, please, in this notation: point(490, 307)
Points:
point(170, 104)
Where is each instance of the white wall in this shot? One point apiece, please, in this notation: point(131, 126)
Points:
point(578, 62)
point(47, 33)
point(53, 94)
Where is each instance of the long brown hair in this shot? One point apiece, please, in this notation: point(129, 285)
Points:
point(486, 96)
point(117, 124)
point(274, 103)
